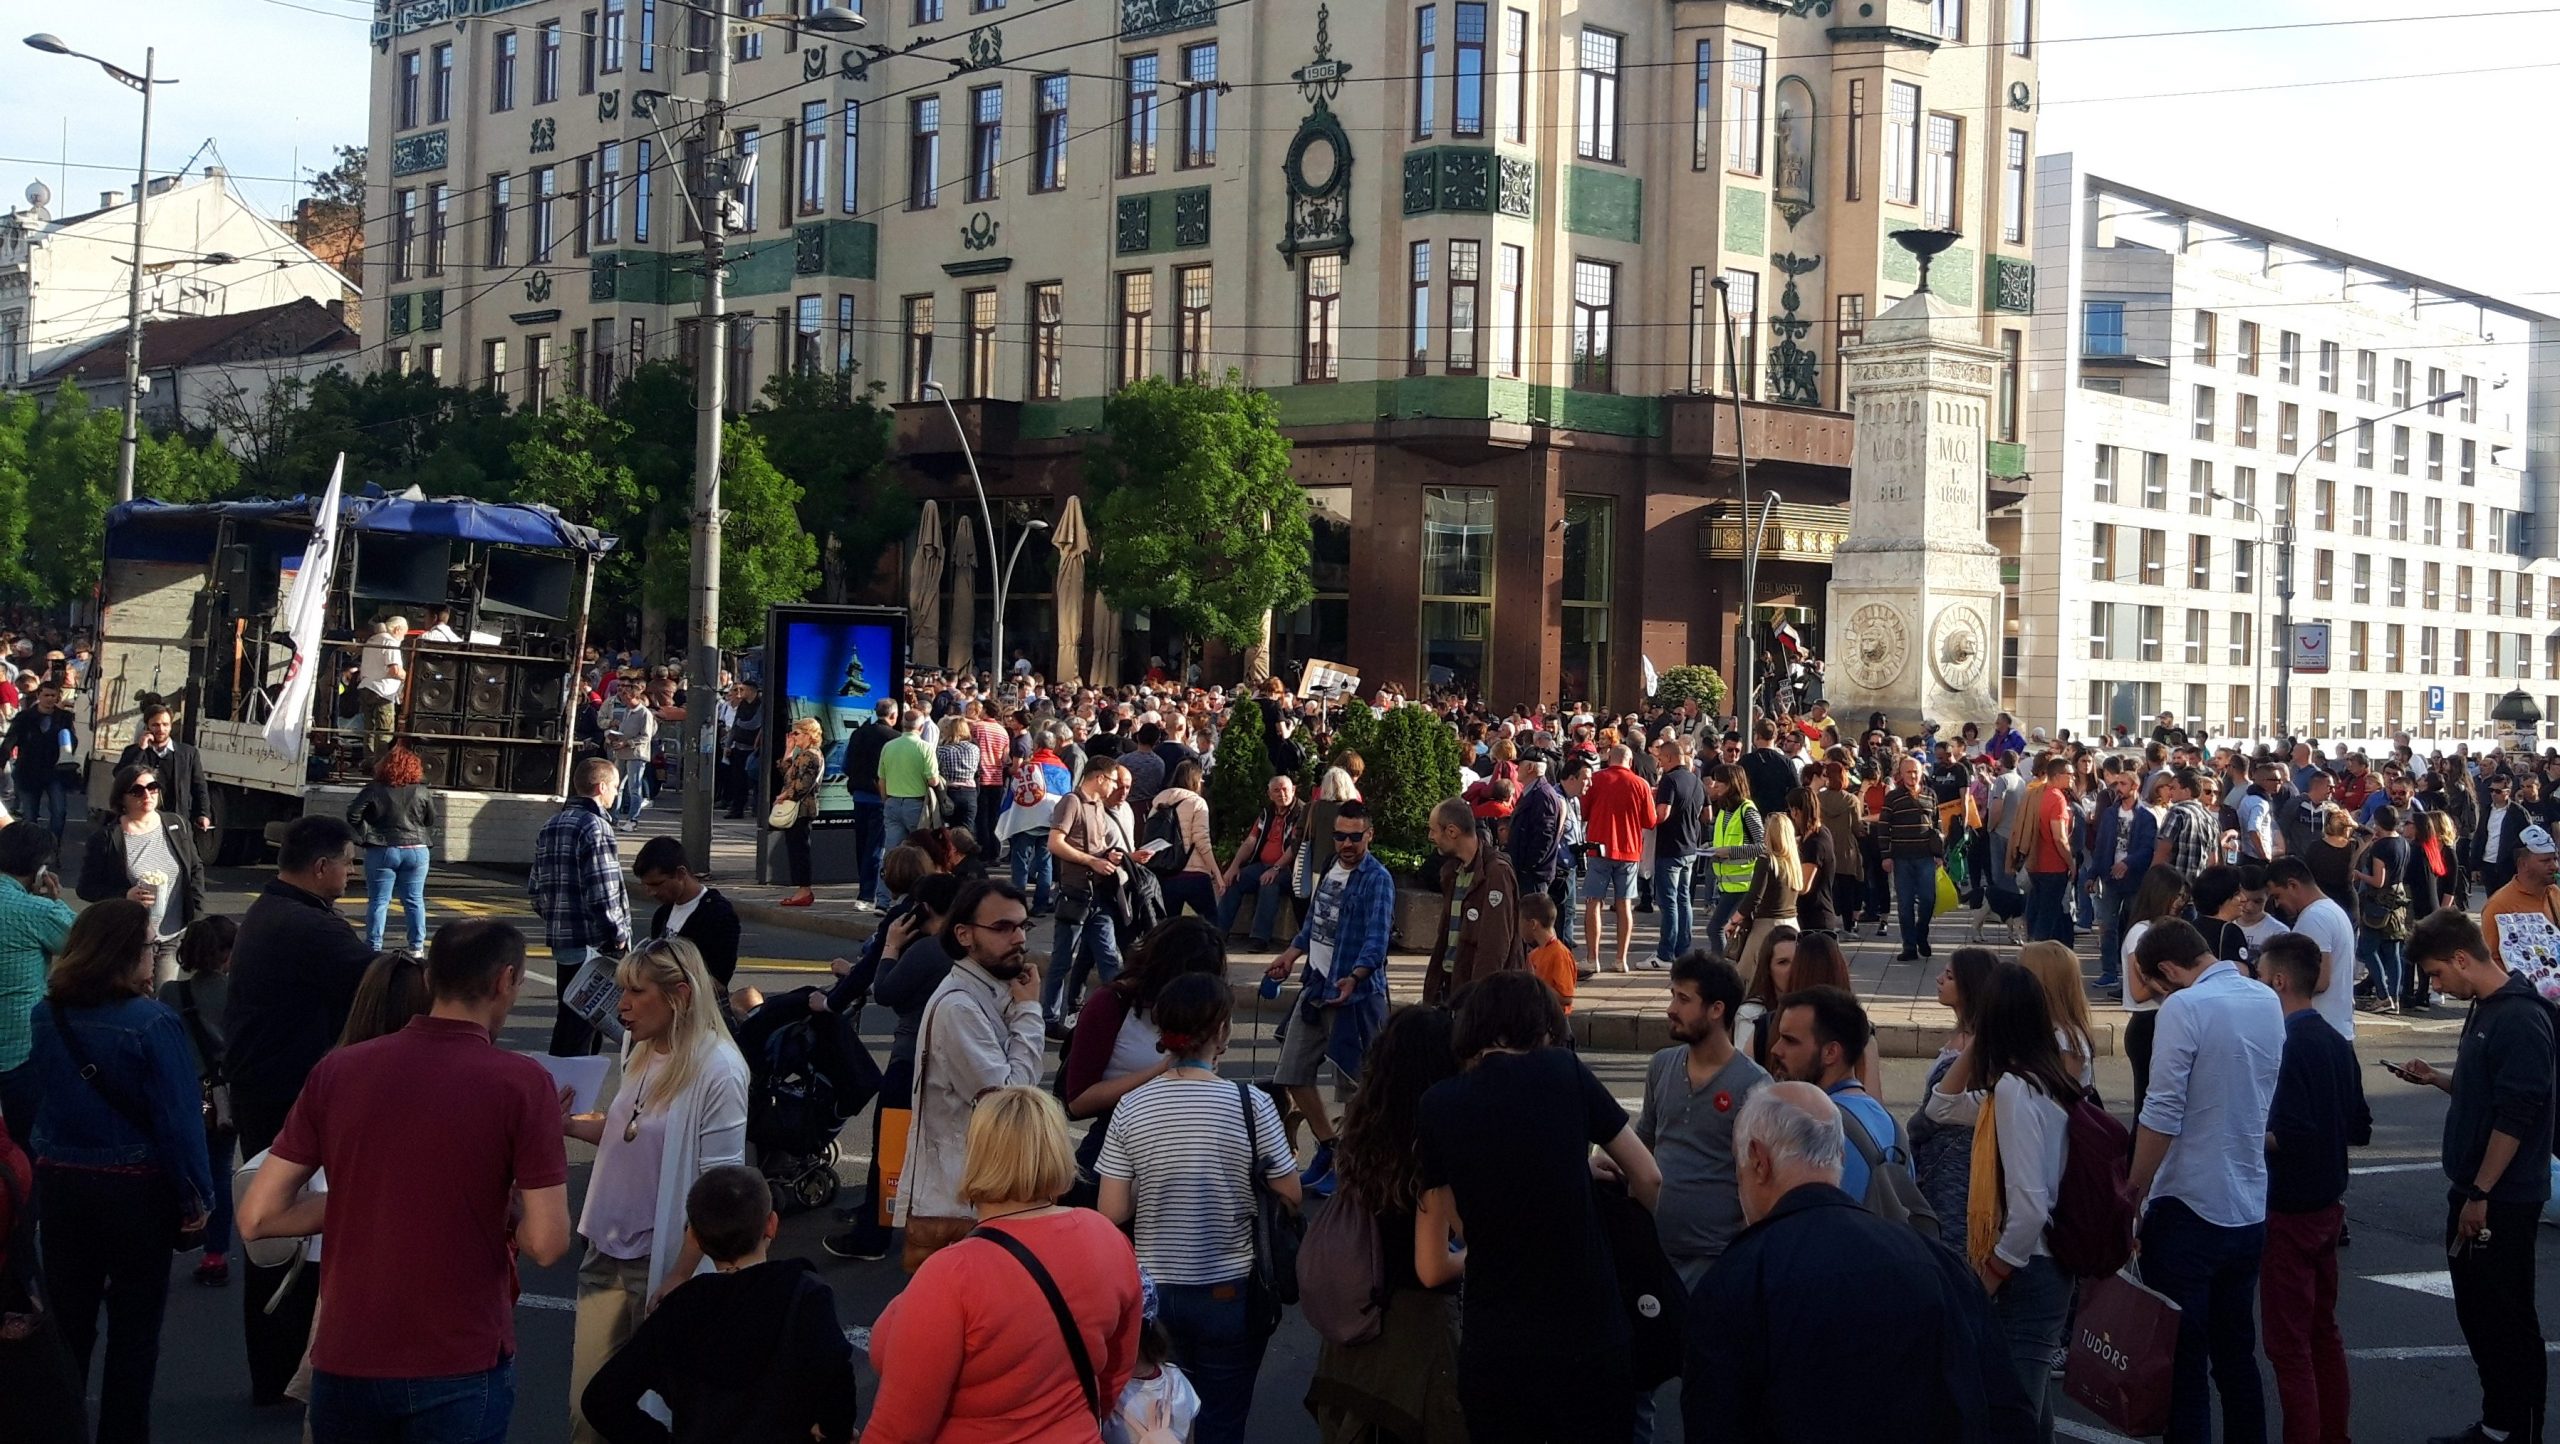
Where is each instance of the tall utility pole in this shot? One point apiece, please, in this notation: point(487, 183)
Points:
point(711, 352)
point(133, 295)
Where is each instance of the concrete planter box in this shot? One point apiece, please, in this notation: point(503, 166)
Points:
point(1421, 916)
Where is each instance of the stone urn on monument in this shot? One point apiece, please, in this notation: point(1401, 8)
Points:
point(1916, 605)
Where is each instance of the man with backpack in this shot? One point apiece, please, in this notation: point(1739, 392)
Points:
point(2200, 1157)
point(1821, 1035)
point(2319, 1111)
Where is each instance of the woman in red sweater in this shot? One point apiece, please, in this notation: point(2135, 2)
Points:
point(971, 1352)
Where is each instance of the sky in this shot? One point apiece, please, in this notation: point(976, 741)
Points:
point(2364, 136)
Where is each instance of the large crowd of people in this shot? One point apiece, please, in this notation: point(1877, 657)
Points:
point(1099, 1207)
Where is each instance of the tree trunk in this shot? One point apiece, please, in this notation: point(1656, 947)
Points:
point(1257, 657)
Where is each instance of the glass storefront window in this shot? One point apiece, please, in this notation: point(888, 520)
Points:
point(1321, 628)
point(1590, 535)
point(1457, 587)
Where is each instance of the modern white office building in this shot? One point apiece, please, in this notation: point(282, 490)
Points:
point(2203, 389)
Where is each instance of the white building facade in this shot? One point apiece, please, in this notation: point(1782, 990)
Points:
point(64, 277)
point(2203, 390)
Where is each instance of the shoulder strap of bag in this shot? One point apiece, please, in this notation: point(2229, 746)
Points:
point(1076, 1351)
point(1252, 1143)
point(122, 1102)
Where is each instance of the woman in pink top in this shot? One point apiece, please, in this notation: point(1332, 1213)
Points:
point(972, 1352)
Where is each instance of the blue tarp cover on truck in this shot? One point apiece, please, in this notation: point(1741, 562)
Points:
point(141, 529)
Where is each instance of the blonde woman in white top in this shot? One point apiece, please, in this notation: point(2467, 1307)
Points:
point(681, 1110)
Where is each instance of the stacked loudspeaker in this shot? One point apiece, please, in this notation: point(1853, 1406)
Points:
point(488, 723)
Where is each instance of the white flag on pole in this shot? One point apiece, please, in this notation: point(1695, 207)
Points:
point(289, 725)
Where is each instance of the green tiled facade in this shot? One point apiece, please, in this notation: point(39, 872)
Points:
point(1746, 221)
point(1602, 202)
point(1153, 222)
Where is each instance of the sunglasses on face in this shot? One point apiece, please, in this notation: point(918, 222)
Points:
point(1349, 836)
point(142, 789)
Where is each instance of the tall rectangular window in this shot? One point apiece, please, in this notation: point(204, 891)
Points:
point(586, 196)
point(2013, 190)
point(2367, 372)
point(917, 333)
point(1946, 19)
point(1049, 134)
point(1426, 68)
point(2400, 375)
point(2246, 361)
point(986, 140)
point(587, 53)
point(493, 365)
point(1515, 75)
point(606, 209)
point(924, 151)
point(649, 34)
point(2012, 363)
point(1046, 316)
point(501, 218)
point(1746, 132)
point(750, 44)
point(980, 309)
point(1509, 262)
point(1595, 322)
point(2022, 27)
point(1701, 330)
point(928, 12)
point(1138, 115)
point(404, 235)
point(1902, 143)
point(439, 222)
point(1589, 574)
point(2435, 389)
point(2329, 366)
point(412, 87)
point(1200, 106)
point(1457, 584)
point(1194, 288)
point(1742, 300)
point(808, 334)
point(1851, 331)
point(1418, 310)
point(546, 193)
point(1465, 266)
point(2288, 357)
point(1466, 75)
point(700, 34)
point(1702, 97)
point(1320, 312)
point(615, 33)
point(1854, 155)
point(546, 62)
point(849, 184)
point(1945, 169)
point(812, 179)
point(502, 72)
point(643, 189)
point(440, 84)
point(1596, 96)
point(1137, 326)
point(751, 194)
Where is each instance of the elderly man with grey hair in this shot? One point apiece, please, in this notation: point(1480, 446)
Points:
point(1815, 1286)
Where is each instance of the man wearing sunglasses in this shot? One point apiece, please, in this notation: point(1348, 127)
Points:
point(1342, 1002)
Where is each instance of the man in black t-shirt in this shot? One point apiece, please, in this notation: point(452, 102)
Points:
point(1771, 775)
point(862, 779)
point(1680, 807)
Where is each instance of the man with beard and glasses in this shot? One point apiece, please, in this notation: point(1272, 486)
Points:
point(980, 1032)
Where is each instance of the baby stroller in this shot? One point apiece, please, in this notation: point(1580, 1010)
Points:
point(807, 1073)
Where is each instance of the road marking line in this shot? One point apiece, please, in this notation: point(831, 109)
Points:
point(2438, 1283)
point(859, 1335)
point(2425, 1351)
point(2373, 1168)
point(2069, 1430)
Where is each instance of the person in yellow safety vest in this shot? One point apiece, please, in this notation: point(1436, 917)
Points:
point(1736, 841)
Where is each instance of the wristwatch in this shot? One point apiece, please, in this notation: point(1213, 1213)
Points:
point(2471, 1192)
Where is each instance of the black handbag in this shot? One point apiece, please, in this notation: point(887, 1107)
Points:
point(1278, 1229)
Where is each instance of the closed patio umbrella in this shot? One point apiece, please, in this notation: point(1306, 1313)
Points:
point(924, 583)
point(1072, 541)
point(960, 647)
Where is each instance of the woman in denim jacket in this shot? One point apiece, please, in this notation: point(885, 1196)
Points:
point(121, 1168)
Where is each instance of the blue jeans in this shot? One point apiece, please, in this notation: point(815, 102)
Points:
point(2048, 907)
point(635, 790)
point(2084, 907)
point(220, 1149)
point(459, 1409)
point(898, 817)
point(866, 844)
point(2032, 1306)
point(1266, 900)
point(1195, 890)
point(1031, 866)
point(40, 789)
point(1088, 946)
point(2383, 955)
point(1219, 1350)
point(2115, 895)
point(1675, 905)
point(403, 868)
point(1915, 899)
point(1719, 913)
point(2211, 1274)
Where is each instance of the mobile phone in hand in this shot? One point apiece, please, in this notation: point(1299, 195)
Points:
point(2396, 1071)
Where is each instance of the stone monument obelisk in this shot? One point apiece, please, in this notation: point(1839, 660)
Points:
point(1915, 590)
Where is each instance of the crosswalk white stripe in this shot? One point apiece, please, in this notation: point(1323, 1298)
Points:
point(2374, 1168)
point(2070, 1430)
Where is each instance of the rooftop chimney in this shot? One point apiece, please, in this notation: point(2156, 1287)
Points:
point(162, 184)
point(109, 200)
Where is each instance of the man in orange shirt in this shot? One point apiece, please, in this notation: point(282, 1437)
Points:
point(2048, 850)
point(1617, 812)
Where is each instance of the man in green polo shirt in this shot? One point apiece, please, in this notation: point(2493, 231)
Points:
point(906, 776)
point(33, 923)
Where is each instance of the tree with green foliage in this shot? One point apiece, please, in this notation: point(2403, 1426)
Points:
point(1195, 516)
point(1413, 768)
point(1702, 685)
point(57, 479)
point(836, 440)
point(1243, 770)
point(766, 556)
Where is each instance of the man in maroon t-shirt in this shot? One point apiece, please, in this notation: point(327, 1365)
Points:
point(429, 1136)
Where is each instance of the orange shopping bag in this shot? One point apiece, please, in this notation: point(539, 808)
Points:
point(893, 1159)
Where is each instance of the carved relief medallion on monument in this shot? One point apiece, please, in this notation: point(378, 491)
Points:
point(1959, 647)
point(1878, 646)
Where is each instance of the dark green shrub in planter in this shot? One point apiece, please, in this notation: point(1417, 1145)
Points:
point(1235, 785)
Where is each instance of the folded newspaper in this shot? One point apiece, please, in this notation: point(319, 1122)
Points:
point(595, 996)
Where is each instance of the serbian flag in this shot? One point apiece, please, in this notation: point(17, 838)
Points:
point(289, 725)
point(1790, 638)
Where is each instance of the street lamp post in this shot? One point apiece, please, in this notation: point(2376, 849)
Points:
point(1754, 538)
point(1748, 662)
point(2284, 554)
point(986, 517)
point(2258, 613)
point(145, 82)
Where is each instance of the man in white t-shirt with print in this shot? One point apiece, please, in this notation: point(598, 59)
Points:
point(1342, 1000)
point(2317, 916)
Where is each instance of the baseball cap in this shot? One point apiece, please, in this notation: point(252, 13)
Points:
point(2536, 839)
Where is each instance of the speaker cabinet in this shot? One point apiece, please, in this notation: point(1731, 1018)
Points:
point(484, 727)
point(536, 770)
point(435, 724)
point(435, 764)
point(480, 769)
point(492, 689)
point(437, 684)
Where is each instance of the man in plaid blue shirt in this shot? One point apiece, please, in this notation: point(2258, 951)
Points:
point(2189, 838)
point(33, 923)
point(576, 885)
point(1342, 1002)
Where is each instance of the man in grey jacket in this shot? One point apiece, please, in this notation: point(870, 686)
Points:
point(981, 1031)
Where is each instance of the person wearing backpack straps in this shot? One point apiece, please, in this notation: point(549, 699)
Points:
point(1387, 1346)
point(1027, 1328)
point(1188, 865)
point(1819, 1036)
point(2013, 1087)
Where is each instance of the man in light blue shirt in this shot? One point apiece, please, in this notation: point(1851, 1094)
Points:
point(2200, 1158)
point(1822, 1036)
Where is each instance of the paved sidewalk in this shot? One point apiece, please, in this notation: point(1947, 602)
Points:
point(1613, 1012)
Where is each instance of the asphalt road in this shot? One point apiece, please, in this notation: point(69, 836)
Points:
point(2412, 1377)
